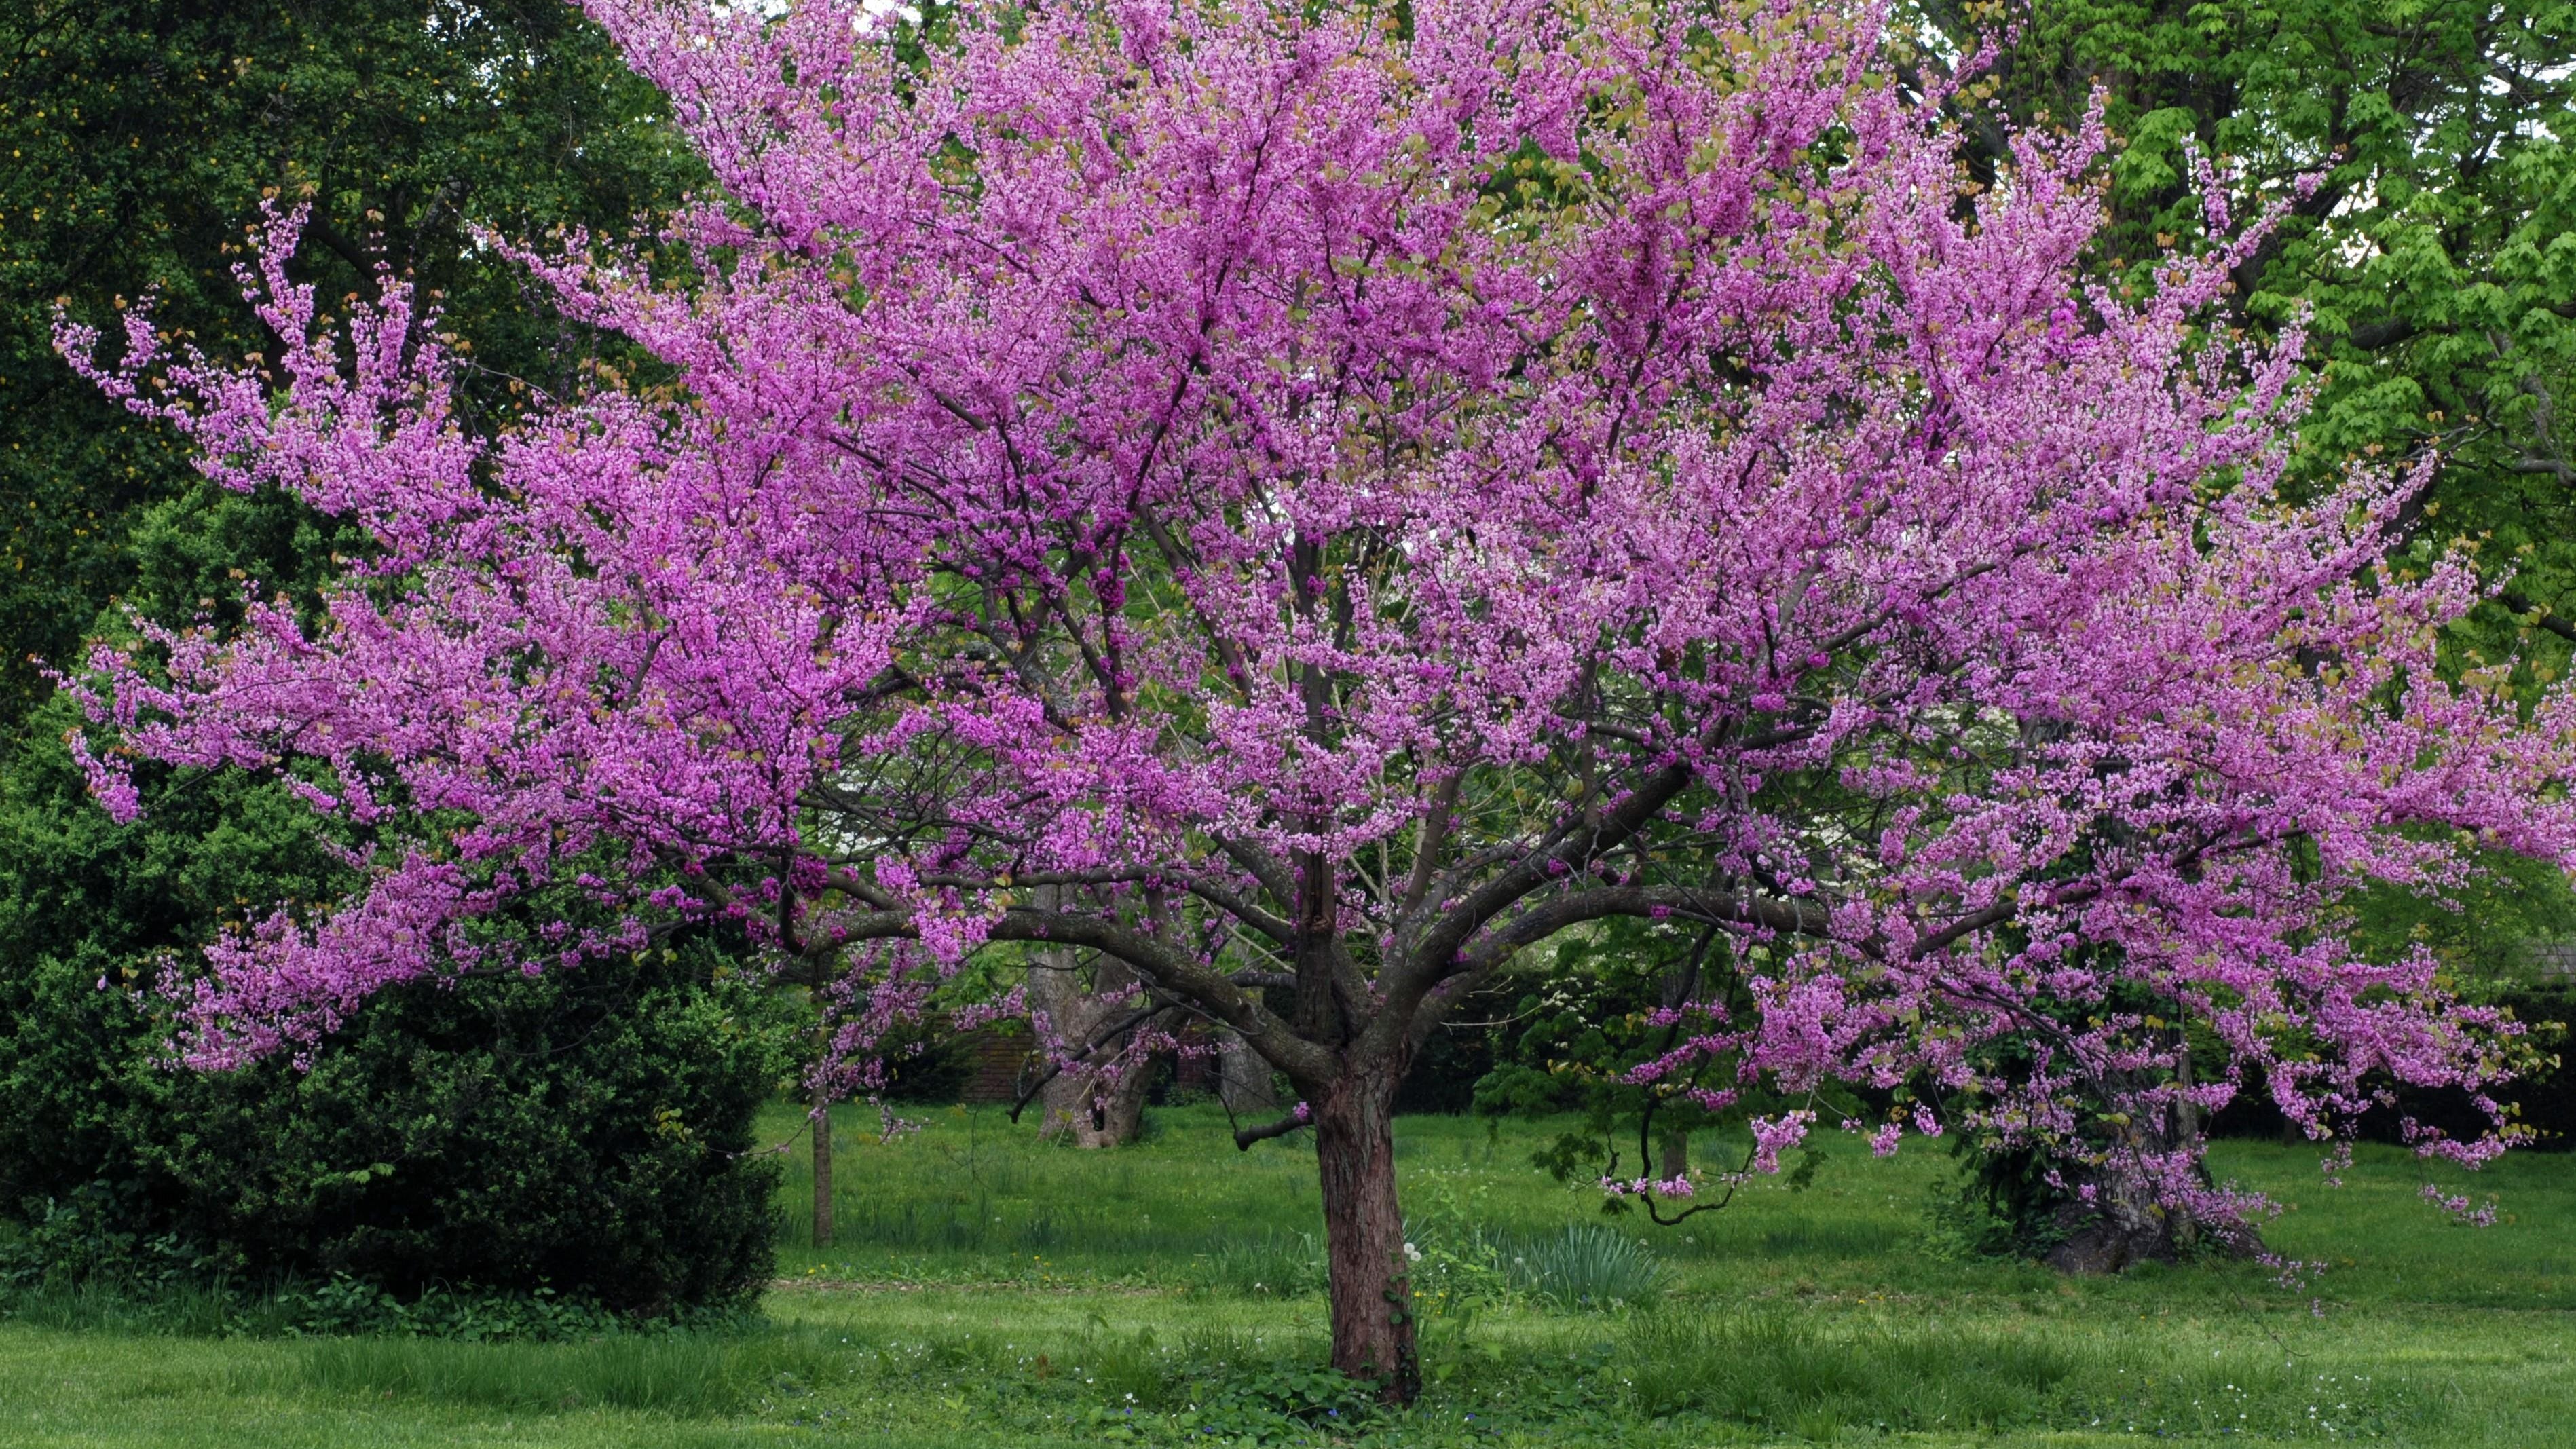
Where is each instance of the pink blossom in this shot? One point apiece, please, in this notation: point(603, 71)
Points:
point(1772, 1137)
point(1204, 487)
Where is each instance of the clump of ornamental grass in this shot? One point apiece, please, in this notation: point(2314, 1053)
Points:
point(1587, 1266)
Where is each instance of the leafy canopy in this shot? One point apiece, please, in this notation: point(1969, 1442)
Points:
point(1317, 503)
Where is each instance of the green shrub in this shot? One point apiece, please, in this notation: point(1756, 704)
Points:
point(587, 1129)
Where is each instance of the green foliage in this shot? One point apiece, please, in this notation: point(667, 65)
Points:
point(85, 900)
point(342, 1306)
point(1999, 1204)
point(2435, 259)
point(2493, 937)
point(1453, 1060)
point(1572, 1042)
point(137, 137)
point(583, 1130)
point(586, 1131)
point(1572, 1039)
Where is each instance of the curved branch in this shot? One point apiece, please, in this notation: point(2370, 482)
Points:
point(1183, 976)
point(1244, 1137)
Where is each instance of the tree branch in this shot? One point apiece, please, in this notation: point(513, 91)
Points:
point(1244, 1137)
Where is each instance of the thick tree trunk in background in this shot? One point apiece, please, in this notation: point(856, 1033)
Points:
point(1074, 1104)
point(1094, 1112)
point(1372, 1281)
point(1676, 1153)
point(822, 1107)
point(2126, 1226)
point(819, 1102)
point(1243, 1080)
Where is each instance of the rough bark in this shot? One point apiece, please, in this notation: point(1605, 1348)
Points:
point(1093, 1112)
point(2125, 1226)
point(2125, 1229)
point(1371, 1275)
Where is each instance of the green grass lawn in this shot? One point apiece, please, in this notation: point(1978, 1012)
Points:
point(990, 1291)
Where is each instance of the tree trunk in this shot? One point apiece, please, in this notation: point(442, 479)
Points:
point(822, 1106)
point(1676, 1151)
point(1372, 1280)
point(1092, 1111)
point(1243, 1081)
point(1679, 986)
point(1075, 1104)
point(2125, 1225)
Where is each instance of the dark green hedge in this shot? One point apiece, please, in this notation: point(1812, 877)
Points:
point(589, 1130)
point(585, 1128)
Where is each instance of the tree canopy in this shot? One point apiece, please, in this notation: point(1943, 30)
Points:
point(136, 140)
point(1320, 503)
point(2434, 261)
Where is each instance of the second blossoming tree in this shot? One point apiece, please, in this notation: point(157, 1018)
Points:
point(1309, 502)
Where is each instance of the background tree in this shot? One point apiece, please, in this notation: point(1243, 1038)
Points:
point(136, 139)
point(2435, 259)
point(2433, 266)
point(139, 137)
point(1355, 496)
point(1624, 993)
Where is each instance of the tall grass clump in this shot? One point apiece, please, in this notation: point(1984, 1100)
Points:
point(1587, 1266)
point(1273, 1265)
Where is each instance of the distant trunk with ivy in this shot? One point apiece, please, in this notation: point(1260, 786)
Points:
point(1077, 1104)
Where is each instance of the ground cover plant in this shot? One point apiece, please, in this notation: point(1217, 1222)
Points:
point(957, 1308)
point(1317, 501)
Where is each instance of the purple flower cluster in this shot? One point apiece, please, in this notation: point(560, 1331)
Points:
point(1254, 494)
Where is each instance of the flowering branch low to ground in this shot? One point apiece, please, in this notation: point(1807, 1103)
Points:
point(1311, 504)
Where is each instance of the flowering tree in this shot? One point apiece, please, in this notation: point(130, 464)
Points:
point(1308, 505)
